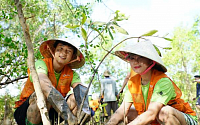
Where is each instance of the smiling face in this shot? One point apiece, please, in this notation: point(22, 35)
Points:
point(138, 63)
point(63, 54)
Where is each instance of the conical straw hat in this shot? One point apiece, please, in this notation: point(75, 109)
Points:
point(46, 53)
point(106, 73)
point(145, 49)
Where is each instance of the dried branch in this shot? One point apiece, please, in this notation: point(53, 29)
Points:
point(14, 80)
point(31, 64)
point(54, 25)
point(29, 17)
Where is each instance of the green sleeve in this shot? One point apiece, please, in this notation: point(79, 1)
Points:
point(163, 91)
point(128, 97)
point(76, 78)
point(40, 67)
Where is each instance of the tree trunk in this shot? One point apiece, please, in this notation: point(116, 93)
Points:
point(6, 120)
point(31, 64)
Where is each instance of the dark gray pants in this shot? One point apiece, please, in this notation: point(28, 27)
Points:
point(111, 105)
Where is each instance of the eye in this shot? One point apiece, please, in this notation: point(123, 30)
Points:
point(129, 57)
point(140, 58)
point(68, 51)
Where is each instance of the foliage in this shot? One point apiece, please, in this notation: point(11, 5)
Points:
point(182, 60)
point(45, 20)
point(9, 100)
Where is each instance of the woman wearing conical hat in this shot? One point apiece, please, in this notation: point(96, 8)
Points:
point(56, 77)
point(156, 98)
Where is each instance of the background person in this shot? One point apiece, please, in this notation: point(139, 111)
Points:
point(197, 80)
point(94, 102)
point(109, 93)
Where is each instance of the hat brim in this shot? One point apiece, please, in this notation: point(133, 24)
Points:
point(142, 48)
point(106, 75)
point(47, 54)
point(197, 76)
point(122, 55)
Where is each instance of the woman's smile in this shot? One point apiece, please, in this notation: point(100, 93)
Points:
point(137, 67)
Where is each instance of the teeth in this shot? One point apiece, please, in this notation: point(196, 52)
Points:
point(62, 57)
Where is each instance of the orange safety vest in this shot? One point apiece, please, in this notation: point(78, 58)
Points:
point(135, 89)
point(132, 73)
point(94, 104)
point(63, 85)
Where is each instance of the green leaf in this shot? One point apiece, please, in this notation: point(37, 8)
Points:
point(168, 48)
point(158, 51)
point(104, 105)
point(99, 23)
point(99, 33)
point(3, 14)
point(83, 18)
point(168, 39)
point(81, 46)
point(71, 26)
point(110, 34)
point(84, 34)
point(117, 15)
point(8, 40)
point(150, 33)
point(121, 30)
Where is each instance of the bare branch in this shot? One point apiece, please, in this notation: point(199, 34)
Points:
point(54, 26)
point(71, 11)
point(29, 17)
point(81, 106)
point(7, 82)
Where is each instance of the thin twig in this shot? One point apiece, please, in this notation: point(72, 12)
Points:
point(29, 17)
point(4, 83)
point(105, 49)
point(54, 25)
point(96, 71)
point(71, 11)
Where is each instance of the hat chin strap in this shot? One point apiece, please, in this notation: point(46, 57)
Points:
point(77, 59)
point(50, 51)
point(150, 67)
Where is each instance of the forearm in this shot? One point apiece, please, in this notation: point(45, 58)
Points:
point(46, 87)
point(116, 118)
point(45, 84)
point(144, 119)
point(124, 83)
point(120, 113)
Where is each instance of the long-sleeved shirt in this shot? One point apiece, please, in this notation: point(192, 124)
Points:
point(108, 89)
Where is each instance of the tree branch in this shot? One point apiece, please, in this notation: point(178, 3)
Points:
point(41, 103)
point(81, 106)
point(7, 82)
